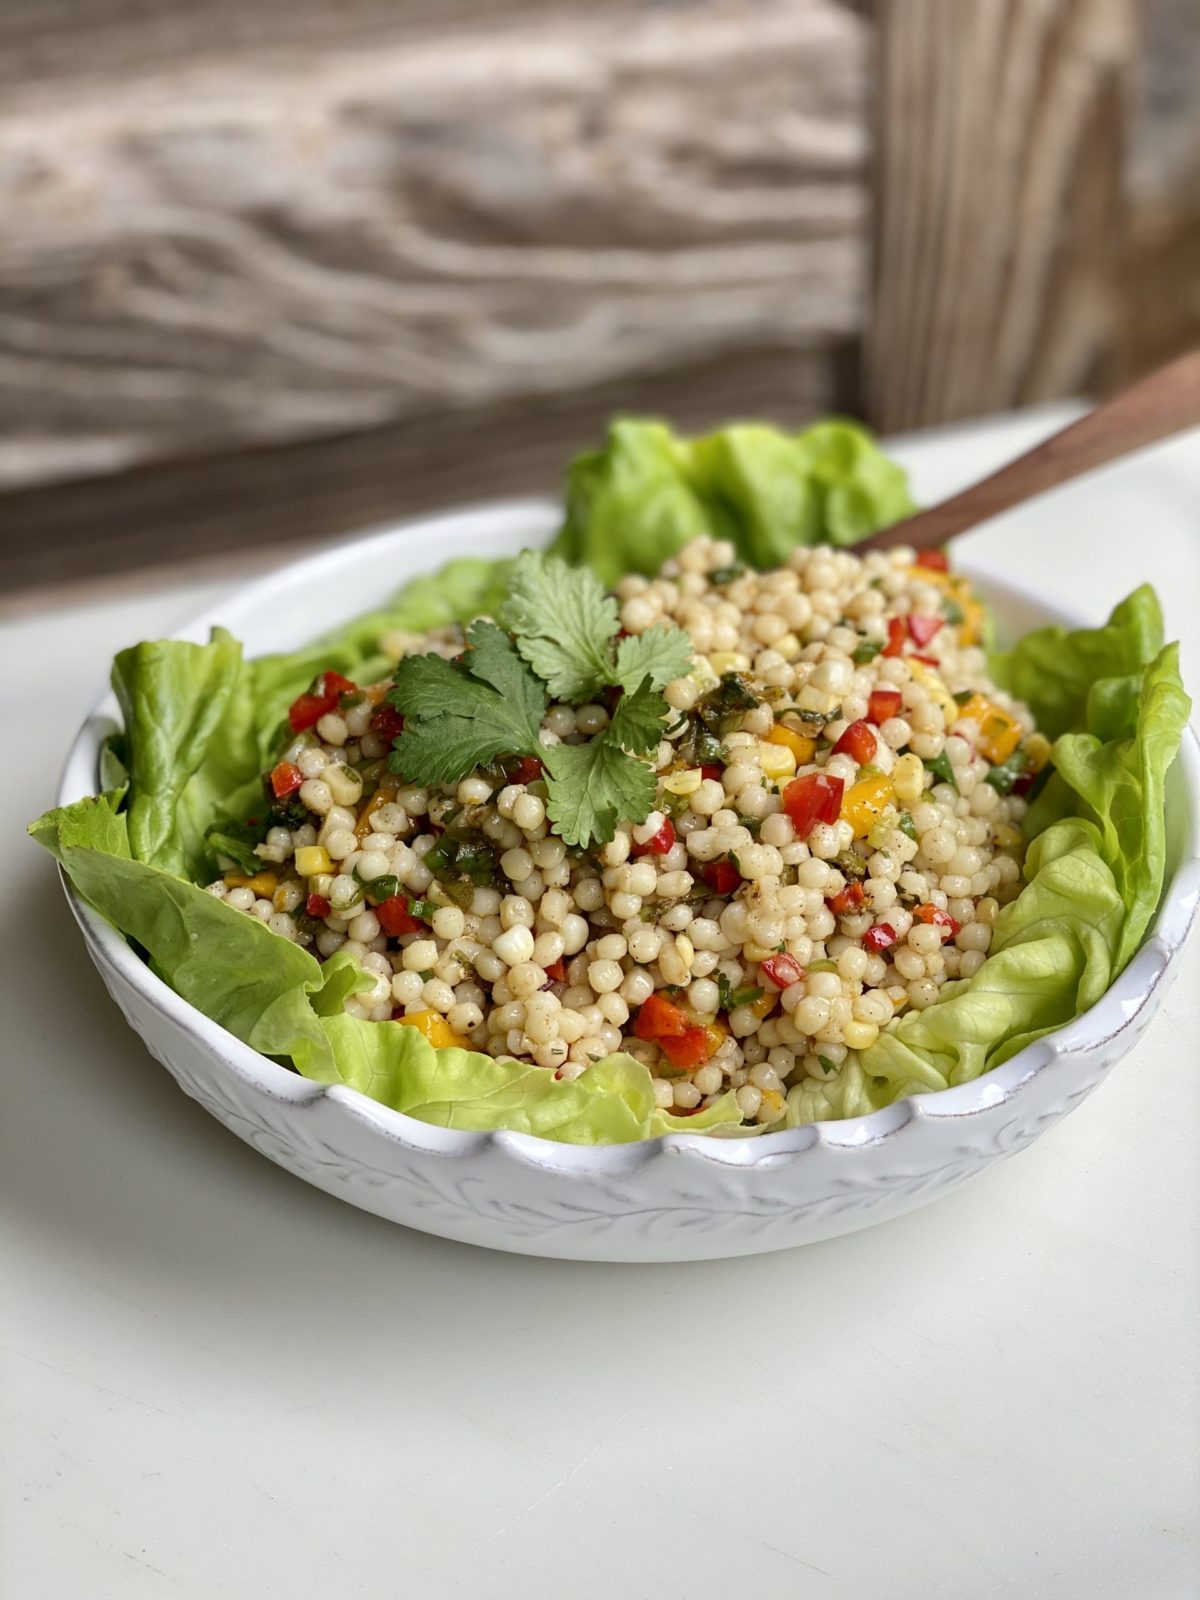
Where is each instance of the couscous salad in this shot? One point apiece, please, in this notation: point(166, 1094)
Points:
point(697, 822)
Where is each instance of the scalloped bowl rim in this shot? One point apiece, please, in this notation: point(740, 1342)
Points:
point(1111, 1014)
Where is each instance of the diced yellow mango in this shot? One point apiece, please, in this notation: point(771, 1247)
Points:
point(264, 884)
point(866, 801)
point(312, 860)
point(436, 1029)
point(716, 1033)
point(970, 629)
point(385, 792)
point(999, 733)
point(801, 747)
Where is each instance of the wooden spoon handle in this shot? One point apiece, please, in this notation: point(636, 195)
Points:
point(1166, 402)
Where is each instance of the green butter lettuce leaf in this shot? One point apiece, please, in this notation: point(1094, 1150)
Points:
point(96, 823)
point(612, 1103)
point(462, 590)
point(276, 998)
point(1054, 955)
point(633, 504)
point(228, 965)
point(1095, 867)
point(1055, 671)
point(1120, 782)
point(201, 724)
point(173, 697)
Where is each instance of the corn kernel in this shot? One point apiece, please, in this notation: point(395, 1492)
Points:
point(772, 1107)
point(312, 859)
point(859, 1035)
point(908, 778)
point(936, 687)
point(1037, 748)
point(685, 782)
point(729, 661)
point(776, 759)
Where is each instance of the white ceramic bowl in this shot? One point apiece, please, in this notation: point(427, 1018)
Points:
point(682, 1197)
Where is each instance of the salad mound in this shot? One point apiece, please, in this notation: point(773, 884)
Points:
point(727, 849)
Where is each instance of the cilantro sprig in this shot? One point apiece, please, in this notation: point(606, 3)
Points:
point(561, 643)
point(457, 715)
point(564, 625)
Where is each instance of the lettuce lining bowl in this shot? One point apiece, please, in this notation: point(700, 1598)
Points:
point(675, 1197)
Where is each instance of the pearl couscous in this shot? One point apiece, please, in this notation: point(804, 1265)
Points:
point(835, 831)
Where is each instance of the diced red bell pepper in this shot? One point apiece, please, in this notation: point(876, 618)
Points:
point(897, 633)
point(658, 843)
point(687, 1049)
point(395, 918)
point(286, 778)
point(557, 971)
point(527, 770)
point(847, 901)
point(713, 770)
point(659, 1018)
point(935, 560)
point(930, 661)
point(879, 938)
point(815, 797)
point(317, 906)
point(1023, 784)
point(722, 877)
point(882, 704)
point(386, 723)
point(857, 742)
point(318, 701)
point(782, 969)
point(937, 918)
point(922, 629)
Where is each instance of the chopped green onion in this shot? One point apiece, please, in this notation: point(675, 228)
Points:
point(941, 768)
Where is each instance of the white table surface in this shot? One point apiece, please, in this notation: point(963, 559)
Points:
point(220, 1382)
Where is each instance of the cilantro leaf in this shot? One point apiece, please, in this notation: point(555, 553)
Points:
point(564, 624)
point(460, 714)
point(661, 654)
point(593, 786)
point(637, 722)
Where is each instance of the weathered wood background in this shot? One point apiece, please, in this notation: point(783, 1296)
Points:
point(271, 268)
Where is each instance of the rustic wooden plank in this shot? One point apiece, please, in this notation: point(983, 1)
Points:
point(998, 202)
point(274, 242)
point(1160, 301)
point(245, 510)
